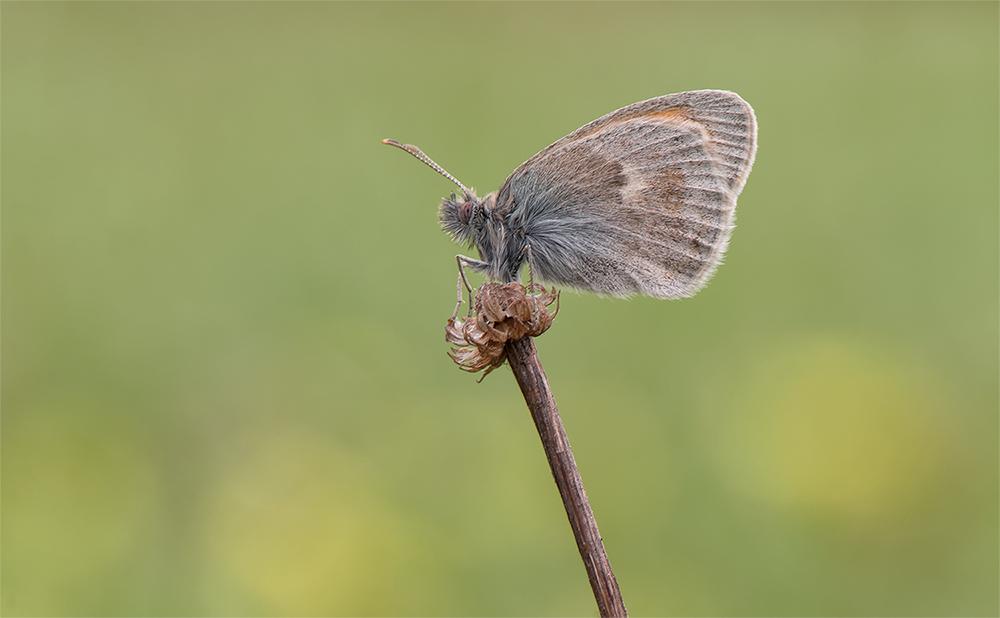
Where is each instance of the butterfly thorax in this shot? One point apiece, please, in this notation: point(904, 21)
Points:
point(477, 222)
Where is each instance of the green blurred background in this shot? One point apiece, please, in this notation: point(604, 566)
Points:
point(225, 388)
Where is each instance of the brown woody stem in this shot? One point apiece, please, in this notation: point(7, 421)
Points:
point(523, 359)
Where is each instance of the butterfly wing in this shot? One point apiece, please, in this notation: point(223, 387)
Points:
point(639, 201)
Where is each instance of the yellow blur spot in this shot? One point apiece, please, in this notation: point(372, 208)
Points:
point(834, 427)
point(297, 528)
point(79, 497)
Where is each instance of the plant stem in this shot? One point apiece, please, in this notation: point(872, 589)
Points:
point(523, 359)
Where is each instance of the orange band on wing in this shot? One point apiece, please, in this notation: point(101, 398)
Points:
point(680, 113)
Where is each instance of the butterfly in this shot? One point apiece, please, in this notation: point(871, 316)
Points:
point(639, 201)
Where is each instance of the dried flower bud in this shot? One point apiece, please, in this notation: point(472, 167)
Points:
point(502, 313)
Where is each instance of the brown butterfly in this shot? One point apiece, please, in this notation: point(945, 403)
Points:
point(642, 200)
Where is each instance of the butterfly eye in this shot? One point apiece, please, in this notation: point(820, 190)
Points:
point(465, 212)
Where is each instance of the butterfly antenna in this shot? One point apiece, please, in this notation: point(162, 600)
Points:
point(413, 150)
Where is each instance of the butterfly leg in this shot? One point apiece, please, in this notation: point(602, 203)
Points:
point(531, 269)
point(462, 261)
point(458, 303)
point(531, 275)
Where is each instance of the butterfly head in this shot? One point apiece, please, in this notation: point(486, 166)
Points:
point(463, 217)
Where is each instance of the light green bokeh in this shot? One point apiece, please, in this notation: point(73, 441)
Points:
point(225, 389)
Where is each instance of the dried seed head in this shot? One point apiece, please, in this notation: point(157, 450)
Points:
point(502, 313)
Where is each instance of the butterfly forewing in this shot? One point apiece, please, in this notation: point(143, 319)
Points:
point(727, 118)
point(639, 201)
